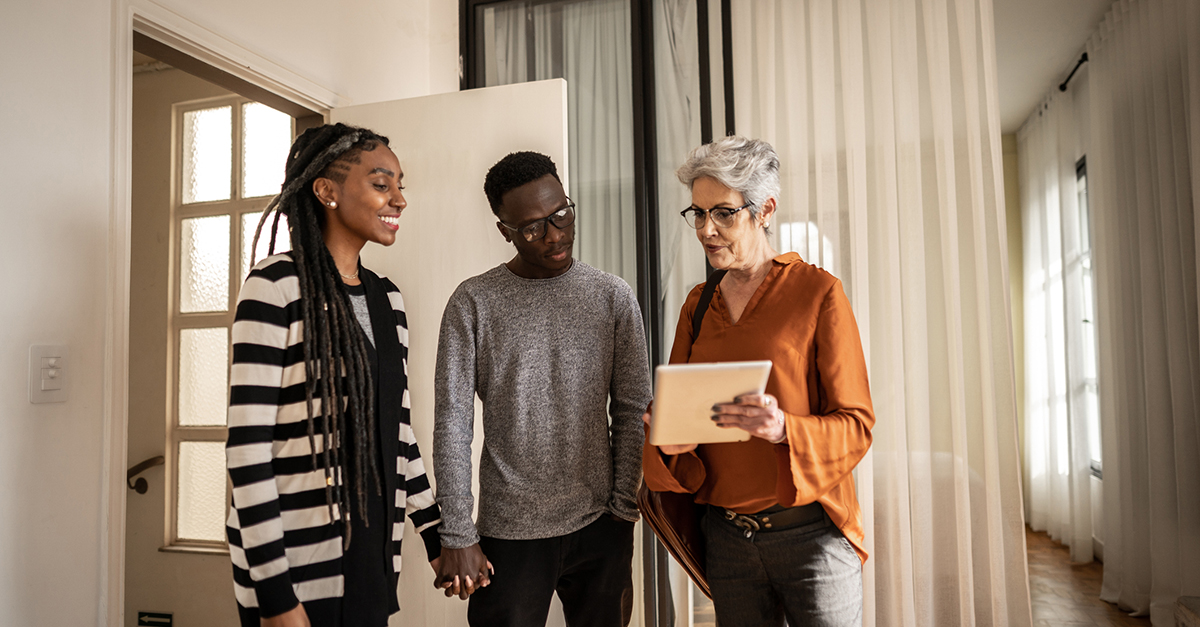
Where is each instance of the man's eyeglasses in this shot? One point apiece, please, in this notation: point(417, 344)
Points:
point(721, 216)
point(536, 230)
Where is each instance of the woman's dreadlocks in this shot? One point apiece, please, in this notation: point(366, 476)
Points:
point(333, 340)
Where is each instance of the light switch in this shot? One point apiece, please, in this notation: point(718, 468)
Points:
point(51, 379)
point(47, 374)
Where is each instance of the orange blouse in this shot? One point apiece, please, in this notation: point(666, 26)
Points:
point(800, 319)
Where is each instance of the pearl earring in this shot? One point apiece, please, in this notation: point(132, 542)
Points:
point(333, 204)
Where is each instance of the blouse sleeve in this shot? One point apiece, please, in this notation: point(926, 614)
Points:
point(824, 448)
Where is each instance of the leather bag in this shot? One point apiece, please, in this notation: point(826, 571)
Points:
point(674, 516)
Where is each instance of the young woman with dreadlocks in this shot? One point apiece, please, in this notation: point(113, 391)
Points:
point(324, 468)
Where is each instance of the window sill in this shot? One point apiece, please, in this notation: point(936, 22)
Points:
point(195, 549)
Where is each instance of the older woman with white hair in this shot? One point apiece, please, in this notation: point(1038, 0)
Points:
point(783, 530)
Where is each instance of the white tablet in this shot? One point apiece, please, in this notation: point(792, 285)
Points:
point(685, 393)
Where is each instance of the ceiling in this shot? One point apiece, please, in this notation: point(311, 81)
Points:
point(1037, 44)
point(142, 59)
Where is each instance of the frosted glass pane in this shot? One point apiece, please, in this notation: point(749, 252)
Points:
point(266, 138)
point(282, 241)
point(207, 154)
point(201, 513)
point(204, 264)
point(203, 376)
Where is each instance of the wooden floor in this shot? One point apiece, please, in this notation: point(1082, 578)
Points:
point(1065, 595)
point(1062, 595)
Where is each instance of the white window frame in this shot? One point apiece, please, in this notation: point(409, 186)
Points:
point(235, 207)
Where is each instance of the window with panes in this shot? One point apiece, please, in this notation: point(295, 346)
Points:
point(229, 163)
point(1089, 387)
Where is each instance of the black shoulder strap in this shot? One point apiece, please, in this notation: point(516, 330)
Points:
point(710, 286)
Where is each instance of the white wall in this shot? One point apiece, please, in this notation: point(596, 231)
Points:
point(56, 127)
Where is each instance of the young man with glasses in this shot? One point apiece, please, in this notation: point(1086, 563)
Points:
point(555, 349)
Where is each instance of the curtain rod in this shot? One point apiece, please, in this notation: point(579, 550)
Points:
point(1082, 60)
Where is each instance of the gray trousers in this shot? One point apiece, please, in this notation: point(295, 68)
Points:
point(809, 575)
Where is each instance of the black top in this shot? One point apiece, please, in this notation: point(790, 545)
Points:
point(365, 566)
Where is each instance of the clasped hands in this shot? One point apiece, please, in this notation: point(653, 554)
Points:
point(757, 414)
point(460, 572)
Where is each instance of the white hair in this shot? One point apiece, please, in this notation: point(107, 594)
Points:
point(747, 166)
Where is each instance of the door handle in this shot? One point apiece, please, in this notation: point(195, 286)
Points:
point(140, 485)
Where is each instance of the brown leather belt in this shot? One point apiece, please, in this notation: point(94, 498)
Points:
point(775, 518)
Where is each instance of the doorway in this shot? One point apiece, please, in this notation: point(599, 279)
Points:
point(204, 162)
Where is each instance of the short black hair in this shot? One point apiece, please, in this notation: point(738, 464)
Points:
point(513, 171)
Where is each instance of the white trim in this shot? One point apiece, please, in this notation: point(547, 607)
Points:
point(111, 611)
point(182, 34)
point(174, 30)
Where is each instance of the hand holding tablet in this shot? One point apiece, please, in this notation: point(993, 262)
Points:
point(686, 393)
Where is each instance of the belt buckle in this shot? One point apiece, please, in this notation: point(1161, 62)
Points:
point(747, 524)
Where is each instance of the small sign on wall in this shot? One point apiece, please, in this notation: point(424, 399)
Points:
point(156, 619)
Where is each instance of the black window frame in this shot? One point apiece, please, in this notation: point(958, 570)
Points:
point(645, 188)
point(658, 607)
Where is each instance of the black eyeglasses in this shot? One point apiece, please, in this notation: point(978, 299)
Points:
point(721, 216)
point(536, 230)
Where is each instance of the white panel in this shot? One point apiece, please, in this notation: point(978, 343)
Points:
point(283, 240)
point(445, 144)
point(204, 264)
point(207, 154)
point(203, 376)
point(266, 138)
point(201, 505)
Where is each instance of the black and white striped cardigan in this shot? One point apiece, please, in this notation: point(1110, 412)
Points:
point(283, 544)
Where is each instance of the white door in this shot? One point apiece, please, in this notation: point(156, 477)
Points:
point(445, 144)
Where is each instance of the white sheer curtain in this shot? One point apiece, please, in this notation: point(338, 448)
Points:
point(1142, 171)
point(677, 98)
point(587, 43)
point(884, 113)
point(1060, 376)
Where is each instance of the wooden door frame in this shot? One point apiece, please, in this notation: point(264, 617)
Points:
point(197, 50)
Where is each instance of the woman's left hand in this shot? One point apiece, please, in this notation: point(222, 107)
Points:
point(757, 414)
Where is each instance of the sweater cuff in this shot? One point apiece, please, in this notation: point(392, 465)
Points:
point(458, 527)
point(275, 595)
point(457, 539)
point(622, 511)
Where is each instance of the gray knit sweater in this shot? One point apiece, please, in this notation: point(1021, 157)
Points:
point(551, 360)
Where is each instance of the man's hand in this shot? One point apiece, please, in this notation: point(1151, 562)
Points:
point(670, 449)
point(295, 617)
point(461, 571)
point(757, 414)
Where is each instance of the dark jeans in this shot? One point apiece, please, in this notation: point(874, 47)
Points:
point(809, 575)
point(590, 569)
